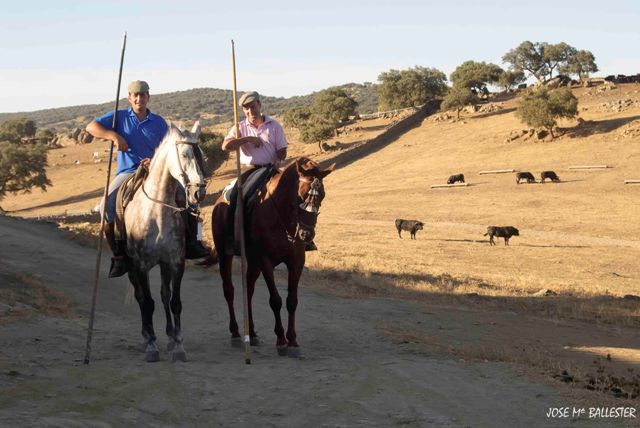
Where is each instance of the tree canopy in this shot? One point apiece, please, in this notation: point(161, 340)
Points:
point(556, 56)
point(410, 88)
point(542, 59)
point(22, 165)
point(509, 79)
point(475, 75)
point(333, 105)
point(296, 117)
point(581, 64)
point(16, 129)
point(527, 57)
point(541, 108)
point(330, 107)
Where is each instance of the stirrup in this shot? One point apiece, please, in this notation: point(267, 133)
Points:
point(118, 266)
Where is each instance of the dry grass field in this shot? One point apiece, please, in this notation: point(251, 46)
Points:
point(579, 238)
point(575, 260)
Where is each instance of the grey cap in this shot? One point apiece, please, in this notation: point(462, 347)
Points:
point(249, 97)
point(138, 87)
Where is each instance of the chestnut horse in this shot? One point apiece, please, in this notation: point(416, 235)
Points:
point(283, 220)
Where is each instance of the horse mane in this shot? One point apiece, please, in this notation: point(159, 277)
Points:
point(173, 133)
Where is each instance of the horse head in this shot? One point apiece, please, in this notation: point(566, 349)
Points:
point(187, 164)
point(310, 196)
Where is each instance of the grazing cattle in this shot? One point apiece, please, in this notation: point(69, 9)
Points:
point(525, 176)
point(410, 225)
point(455, 178)
point(549, 175)
point(505, 232)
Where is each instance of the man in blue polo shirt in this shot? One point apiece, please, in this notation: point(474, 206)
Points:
point(137, 135)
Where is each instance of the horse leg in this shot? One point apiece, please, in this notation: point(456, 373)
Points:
point(178, 352)
point(295, 271)
point(140, 280)
point(165, 292)
point(275, 301)
point(225, 264)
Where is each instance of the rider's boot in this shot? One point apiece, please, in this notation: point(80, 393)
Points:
point(194, 248)
point(119, 249)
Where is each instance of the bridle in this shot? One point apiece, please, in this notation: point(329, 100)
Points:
point(308, 204)
point(197, 152)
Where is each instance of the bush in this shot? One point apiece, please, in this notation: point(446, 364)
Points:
point(316, 132)
point(211, 145)
point(540, 108)
point(457, 98)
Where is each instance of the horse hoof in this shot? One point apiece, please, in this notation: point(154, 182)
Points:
point(293, 352)
point(179, 356)
point(171, 345)
point(152, 356)
point(282, 350)
point(254, 341)
point(236, 342)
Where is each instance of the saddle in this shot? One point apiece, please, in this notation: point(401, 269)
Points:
point(252, 184)
point(124, 196)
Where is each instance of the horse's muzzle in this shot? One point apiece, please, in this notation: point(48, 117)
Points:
point(306, 235)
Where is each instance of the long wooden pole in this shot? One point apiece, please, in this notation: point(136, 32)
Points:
point(239, 220)
point(87, 352)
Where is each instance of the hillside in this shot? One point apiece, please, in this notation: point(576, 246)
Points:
point(211, 106)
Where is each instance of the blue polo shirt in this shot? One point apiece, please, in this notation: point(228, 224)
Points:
point(142, 137)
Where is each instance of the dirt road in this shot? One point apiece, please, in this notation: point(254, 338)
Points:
point(351, 373)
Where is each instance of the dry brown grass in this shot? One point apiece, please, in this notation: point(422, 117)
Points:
point(19, 287)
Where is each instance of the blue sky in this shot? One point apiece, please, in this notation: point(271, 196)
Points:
point(62, 53)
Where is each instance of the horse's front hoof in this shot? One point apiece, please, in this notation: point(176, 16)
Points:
point(282, 350)
point(151, 352)
point(293, 352)
point(236, 342)
point(152, 356)
point(179, 354)
point(254, 341)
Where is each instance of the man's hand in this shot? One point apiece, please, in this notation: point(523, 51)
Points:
point(145, 163)
point(120, 142)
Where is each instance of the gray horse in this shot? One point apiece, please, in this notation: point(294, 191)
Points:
point(155, 232)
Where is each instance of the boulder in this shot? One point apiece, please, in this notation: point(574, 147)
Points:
point(75, 133)
point(84, 137)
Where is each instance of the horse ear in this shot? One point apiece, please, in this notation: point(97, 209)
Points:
point(195, 131)
point(328, 170)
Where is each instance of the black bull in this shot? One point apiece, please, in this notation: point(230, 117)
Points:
point(409, 225)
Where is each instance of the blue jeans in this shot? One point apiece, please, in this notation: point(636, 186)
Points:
point(110, 215)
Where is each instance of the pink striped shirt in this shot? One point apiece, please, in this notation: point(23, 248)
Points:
point(272, 136)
